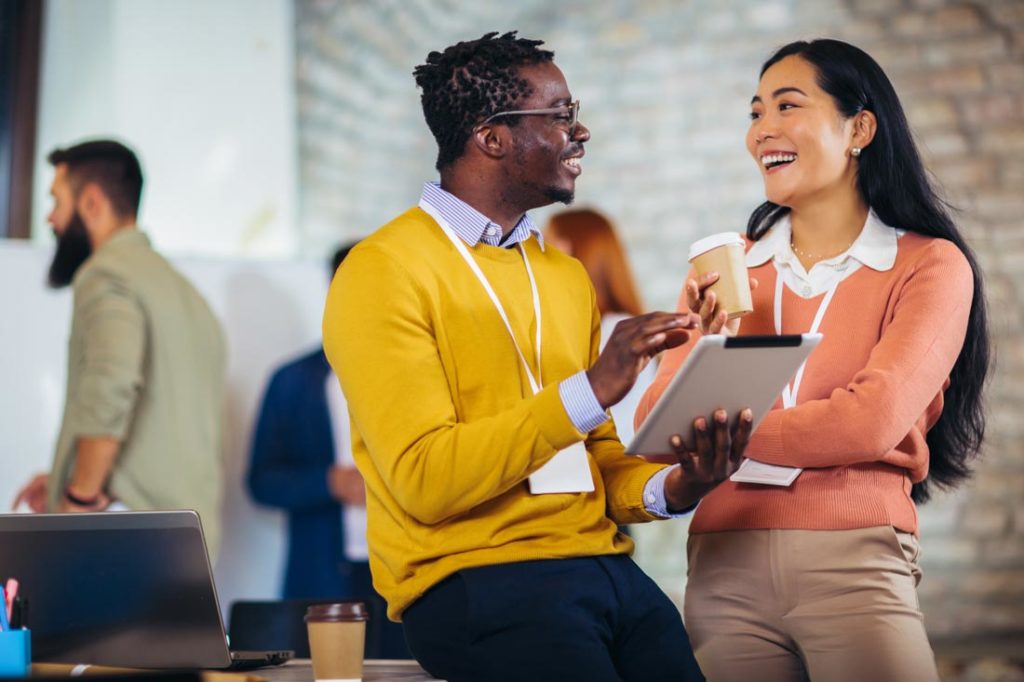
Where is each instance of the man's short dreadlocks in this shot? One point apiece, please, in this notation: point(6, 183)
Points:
point(470, 81)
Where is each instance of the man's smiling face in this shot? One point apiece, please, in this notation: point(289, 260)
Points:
point(545, 161)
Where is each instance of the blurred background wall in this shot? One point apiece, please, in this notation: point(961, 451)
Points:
point(203, 91)
point(276, 129)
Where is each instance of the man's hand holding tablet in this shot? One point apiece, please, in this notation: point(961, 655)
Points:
point(713, 457)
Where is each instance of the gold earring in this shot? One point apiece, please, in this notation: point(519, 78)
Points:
point(855, 152)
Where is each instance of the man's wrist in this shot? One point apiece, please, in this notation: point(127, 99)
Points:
point(654, 496)
point(81, 499)
point(596, 389)
point(680, 494)
point(580, 403)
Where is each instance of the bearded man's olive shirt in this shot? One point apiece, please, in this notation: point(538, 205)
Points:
point(146, 366)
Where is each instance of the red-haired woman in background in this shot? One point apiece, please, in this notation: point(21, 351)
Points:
point(590, 237)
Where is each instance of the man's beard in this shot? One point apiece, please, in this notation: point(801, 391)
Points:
point(564, 196)
point(73, 248)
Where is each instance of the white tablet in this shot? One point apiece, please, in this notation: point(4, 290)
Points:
point(722, 372)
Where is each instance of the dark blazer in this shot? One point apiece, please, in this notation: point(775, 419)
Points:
point(292, 449)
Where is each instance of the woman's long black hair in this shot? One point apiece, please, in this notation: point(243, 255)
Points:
point(893, 182)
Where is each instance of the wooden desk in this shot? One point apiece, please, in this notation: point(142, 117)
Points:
point(298, 670)
point(301, 670)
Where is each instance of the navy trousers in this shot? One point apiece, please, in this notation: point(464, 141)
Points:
point(595, 618)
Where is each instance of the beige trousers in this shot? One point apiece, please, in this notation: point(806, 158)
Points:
point(824, 605)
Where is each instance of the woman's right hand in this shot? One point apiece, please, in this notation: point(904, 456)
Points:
point(702, 302)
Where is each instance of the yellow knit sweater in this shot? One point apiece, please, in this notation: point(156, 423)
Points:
point(445, 428)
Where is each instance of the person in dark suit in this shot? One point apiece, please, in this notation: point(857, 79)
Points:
point(301, 462)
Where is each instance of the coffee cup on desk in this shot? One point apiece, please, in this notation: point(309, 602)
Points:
point(337, 633)
point(724, 253)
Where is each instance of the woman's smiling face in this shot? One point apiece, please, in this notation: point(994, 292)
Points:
point(797, 136)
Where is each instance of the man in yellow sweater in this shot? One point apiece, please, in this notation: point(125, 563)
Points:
point(468, 353)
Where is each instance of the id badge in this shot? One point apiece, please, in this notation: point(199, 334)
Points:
point(752, 471)
point(566, 472)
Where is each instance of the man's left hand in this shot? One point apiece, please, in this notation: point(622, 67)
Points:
point(715, 455)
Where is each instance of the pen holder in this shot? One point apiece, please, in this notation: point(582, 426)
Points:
point(15, 652)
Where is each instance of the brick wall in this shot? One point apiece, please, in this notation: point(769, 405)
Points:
point(665, 88)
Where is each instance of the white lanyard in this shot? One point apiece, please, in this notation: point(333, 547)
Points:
point(790, 391)
point(569, 470)
point(535, 383)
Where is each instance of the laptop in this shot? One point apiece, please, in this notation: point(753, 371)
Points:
point(131, 589)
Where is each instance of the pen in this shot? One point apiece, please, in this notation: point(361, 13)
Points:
point(19, 613)
point(12, 594)
point(4, 624)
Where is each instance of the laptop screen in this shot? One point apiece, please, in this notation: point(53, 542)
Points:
point(124, 589)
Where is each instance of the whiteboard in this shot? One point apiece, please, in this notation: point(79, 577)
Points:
point(270, 312)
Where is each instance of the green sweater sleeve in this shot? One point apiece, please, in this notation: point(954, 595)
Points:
point(112, 329)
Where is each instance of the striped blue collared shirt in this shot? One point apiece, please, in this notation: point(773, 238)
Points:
point(471, 225)
point(581, 405)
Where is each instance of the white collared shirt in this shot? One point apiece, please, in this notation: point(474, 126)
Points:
point(875, 247)
point(353, 518)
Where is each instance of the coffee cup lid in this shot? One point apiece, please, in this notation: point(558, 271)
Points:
point(713, 242)
point(337, 612)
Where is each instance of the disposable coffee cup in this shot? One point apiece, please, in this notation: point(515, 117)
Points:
point(337, 633)
point(724, 253)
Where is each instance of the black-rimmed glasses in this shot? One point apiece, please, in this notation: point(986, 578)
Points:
point(572, 108)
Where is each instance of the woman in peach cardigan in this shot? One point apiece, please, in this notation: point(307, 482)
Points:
point(818, 579)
